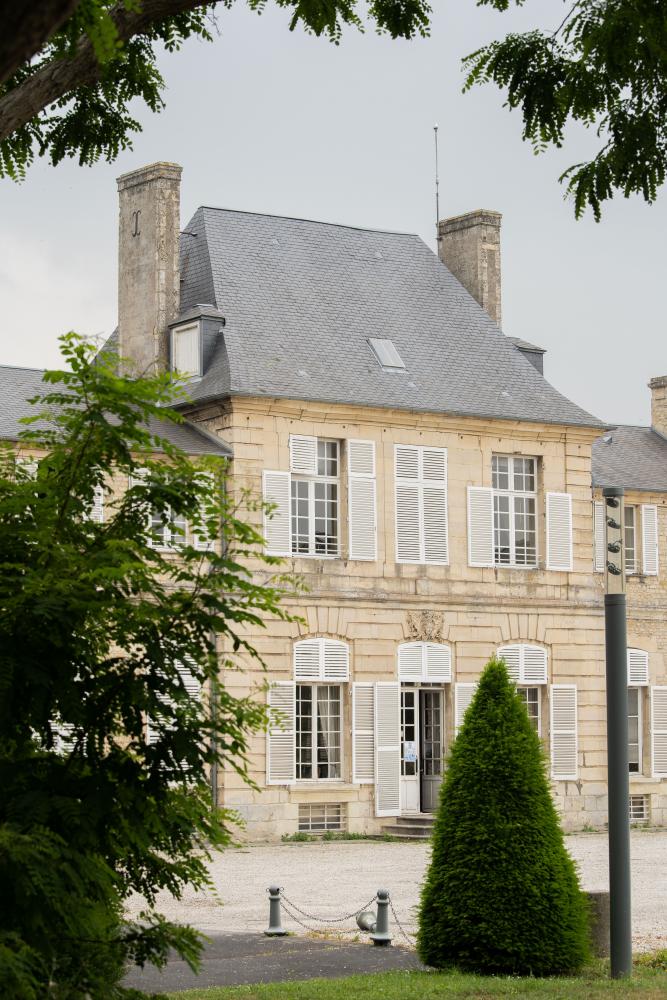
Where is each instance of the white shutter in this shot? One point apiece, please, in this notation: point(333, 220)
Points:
point(421, 504)
point(463, 696)
point(559, 531)
point(434, 505)
point(191, 683)
point(408, 523)
point(637, 668)
point(480, 526)
point(278, 525)
point(307, 655)
point(650, 539)
point(659, 732)
point(362, 503)
point(534, 665)
point(186, 357)
point(303, 454)
point(512, 657)
point(28, 466)
point(97, 506)
point(437, 662)
point(335, 662)
point(525, 664)
point(200, 540)
point(563, 732)
point(599, 536)
point(410, 661)
point(363, 733)
point(281, 734)
point(387, 749)
point(321, 660)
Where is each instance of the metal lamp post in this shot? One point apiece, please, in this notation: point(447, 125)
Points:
point(617, 734)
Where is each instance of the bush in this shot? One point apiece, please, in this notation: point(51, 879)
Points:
point(501, 894)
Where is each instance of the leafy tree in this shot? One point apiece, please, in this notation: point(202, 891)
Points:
point(604, 65)
point(69, 68)
point(501, 892)
point(95, 627)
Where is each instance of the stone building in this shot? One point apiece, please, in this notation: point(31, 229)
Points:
point(438, 497)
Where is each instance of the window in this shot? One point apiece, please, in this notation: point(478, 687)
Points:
point(514, 481)
point(185, 351)
point(531, 699)
point(634, 730)
point(318, 817)
point(631, 540)
point(409, 732)
point(639, 808)
point(315, 505)
point(386, 353)
point(319, 717)
point(166, 529)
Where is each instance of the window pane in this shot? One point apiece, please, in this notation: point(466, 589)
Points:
point(328, 731)
point(408, 729)
point(300, 519)
point(501, 528)
point(531, 699)
point(634, 729)
point(326, 518)
point(304, 731)
point(500, 472)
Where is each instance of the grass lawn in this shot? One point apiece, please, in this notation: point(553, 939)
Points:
point(649, 982)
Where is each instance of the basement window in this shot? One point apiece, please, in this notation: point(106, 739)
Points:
point(639, 808)
point(319, 817)
point(387, 355)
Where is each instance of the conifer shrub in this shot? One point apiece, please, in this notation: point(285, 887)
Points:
point(501, 895)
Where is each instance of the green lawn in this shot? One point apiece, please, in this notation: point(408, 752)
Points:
point(648, 983)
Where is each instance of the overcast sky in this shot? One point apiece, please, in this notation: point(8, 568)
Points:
point(268, 121)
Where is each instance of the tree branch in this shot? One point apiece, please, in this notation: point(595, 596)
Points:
point(26, 27)
point(60, 76)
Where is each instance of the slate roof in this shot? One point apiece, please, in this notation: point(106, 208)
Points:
point(18, 385)
point(301, 299)
point(632, 457)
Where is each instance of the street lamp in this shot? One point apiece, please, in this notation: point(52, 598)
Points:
point(616, 652)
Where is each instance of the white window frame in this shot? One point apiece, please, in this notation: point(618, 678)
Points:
point(533, 687)
point(512, 495)
point(186, 328)
point(311, 480)
point(640, 723)
point(314, 685)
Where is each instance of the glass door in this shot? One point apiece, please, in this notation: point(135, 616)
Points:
point(431, 711)
point(409, 750)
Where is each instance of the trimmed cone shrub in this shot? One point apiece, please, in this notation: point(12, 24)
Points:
point(501, 894)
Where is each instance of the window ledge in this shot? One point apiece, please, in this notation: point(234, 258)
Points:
point(642, 779)
point(318, 784)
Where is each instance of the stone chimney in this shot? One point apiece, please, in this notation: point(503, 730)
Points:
point(148, 264)
point(469, 245)
point(658, 387)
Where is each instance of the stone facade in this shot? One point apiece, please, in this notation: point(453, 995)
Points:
point(374, 606)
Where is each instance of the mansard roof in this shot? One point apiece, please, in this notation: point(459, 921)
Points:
point(18, 385)
point(632, 457)
point(302, 300)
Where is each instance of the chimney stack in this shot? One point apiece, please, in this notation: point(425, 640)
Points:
point(658, 387)
point(469, 245)
point(148, 264)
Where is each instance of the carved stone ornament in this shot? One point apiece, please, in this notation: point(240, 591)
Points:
point(425, 626)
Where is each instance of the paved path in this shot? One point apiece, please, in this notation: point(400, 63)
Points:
point(236, 959)
point(330, 879)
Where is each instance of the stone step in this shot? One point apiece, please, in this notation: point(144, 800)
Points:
point(421, 819)
point(408, 831)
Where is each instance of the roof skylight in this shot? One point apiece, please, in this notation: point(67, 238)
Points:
point(387, 355)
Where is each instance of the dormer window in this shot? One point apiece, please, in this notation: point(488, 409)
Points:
point(186, 350)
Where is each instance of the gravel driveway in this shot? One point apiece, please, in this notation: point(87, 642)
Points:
point(335, 878)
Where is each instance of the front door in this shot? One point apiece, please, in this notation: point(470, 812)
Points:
point(431, 709)
point(410, 790)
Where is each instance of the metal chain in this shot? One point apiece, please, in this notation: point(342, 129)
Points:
point(326, 920)
point(308, 927)
point(405, 934)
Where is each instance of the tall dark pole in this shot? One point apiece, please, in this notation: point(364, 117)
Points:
point(617, 735)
